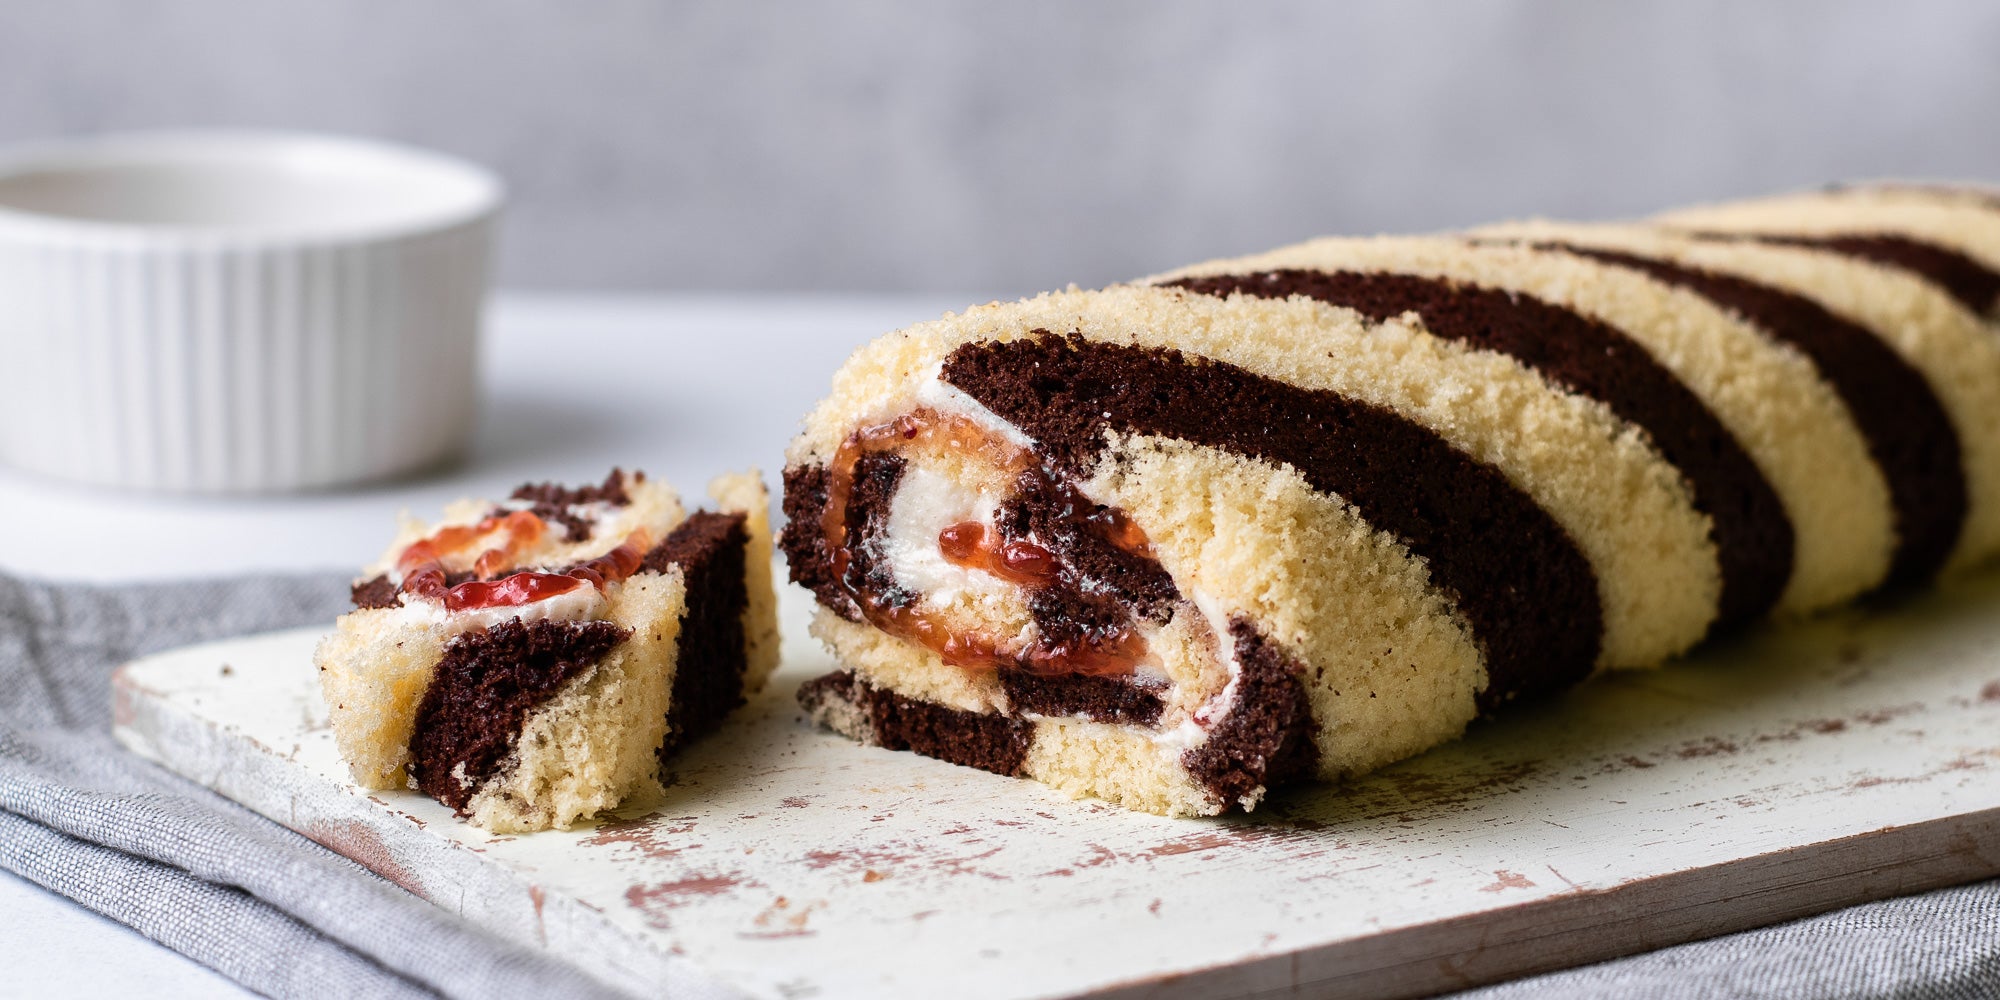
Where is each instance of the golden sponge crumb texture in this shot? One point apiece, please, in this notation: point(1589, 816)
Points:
point(373, 670)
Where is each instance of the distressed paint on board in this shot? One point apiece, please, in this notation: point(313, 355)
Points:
point(1851, 758)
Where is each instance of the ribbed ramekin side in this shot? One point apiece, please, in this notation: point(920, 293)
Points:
point(212, 367)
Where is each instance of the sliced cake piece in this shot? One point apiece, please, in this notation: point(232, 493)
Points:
point(530, 662)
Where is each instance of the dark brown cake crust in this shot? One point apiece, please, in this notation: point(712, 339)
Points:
point(1908, 432)
point(993, 743)
point(877, 475)
point(809, 560)
point(709, 661)
point(485, 686)
point(1753, 536)
point(1515, 574)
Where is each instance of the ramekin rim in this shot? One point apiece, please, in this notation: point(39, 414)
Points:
point(484, 192)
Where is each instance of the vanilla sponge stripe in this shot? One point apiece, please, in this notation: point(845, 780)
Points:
point(1930, 331)
point(1948, 192)
point(1769, 395)
point(1738, 528)
point(1392, 666)
point(1951, 239)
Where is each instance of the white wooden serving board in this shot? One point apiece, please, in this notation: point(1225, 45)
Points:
point(1797, 770)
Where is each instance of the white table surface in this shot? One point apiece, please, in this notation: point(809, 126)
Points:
point(680, 386)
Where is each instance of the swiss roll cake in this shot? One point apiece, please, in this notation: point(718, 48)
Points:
point(1299, 515)
point(531, 662)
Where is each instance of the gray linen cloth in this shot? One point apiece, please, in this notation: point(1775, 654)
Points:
point(182, 865)
point(287, 917)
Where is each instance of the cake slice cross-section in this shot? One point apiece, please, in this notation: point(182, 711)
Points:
point(531, 662)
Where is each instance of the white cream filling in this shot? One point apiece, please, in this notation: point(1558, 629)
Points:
point(579, 604)
point(926, 503)
point(933, 391)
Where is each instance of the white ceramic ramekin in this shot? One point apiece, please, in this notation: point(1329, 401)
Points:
point(238, 312)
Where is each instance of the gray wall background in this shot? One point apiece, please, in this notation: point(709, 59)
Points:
point(1008, 147)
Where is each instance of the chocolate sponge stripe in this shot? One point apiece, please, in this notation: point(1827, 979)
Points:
point(709, 549)
point(1963, 277)
point(1100, 699)
point(1752, 534)
point(877, 477)
point(482, 691)
point(808, 560)
point(380, 592)
point(1266, 739)
point(1515, 575)
point(808, 557)
point(993, 743)
point(1909, 434)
